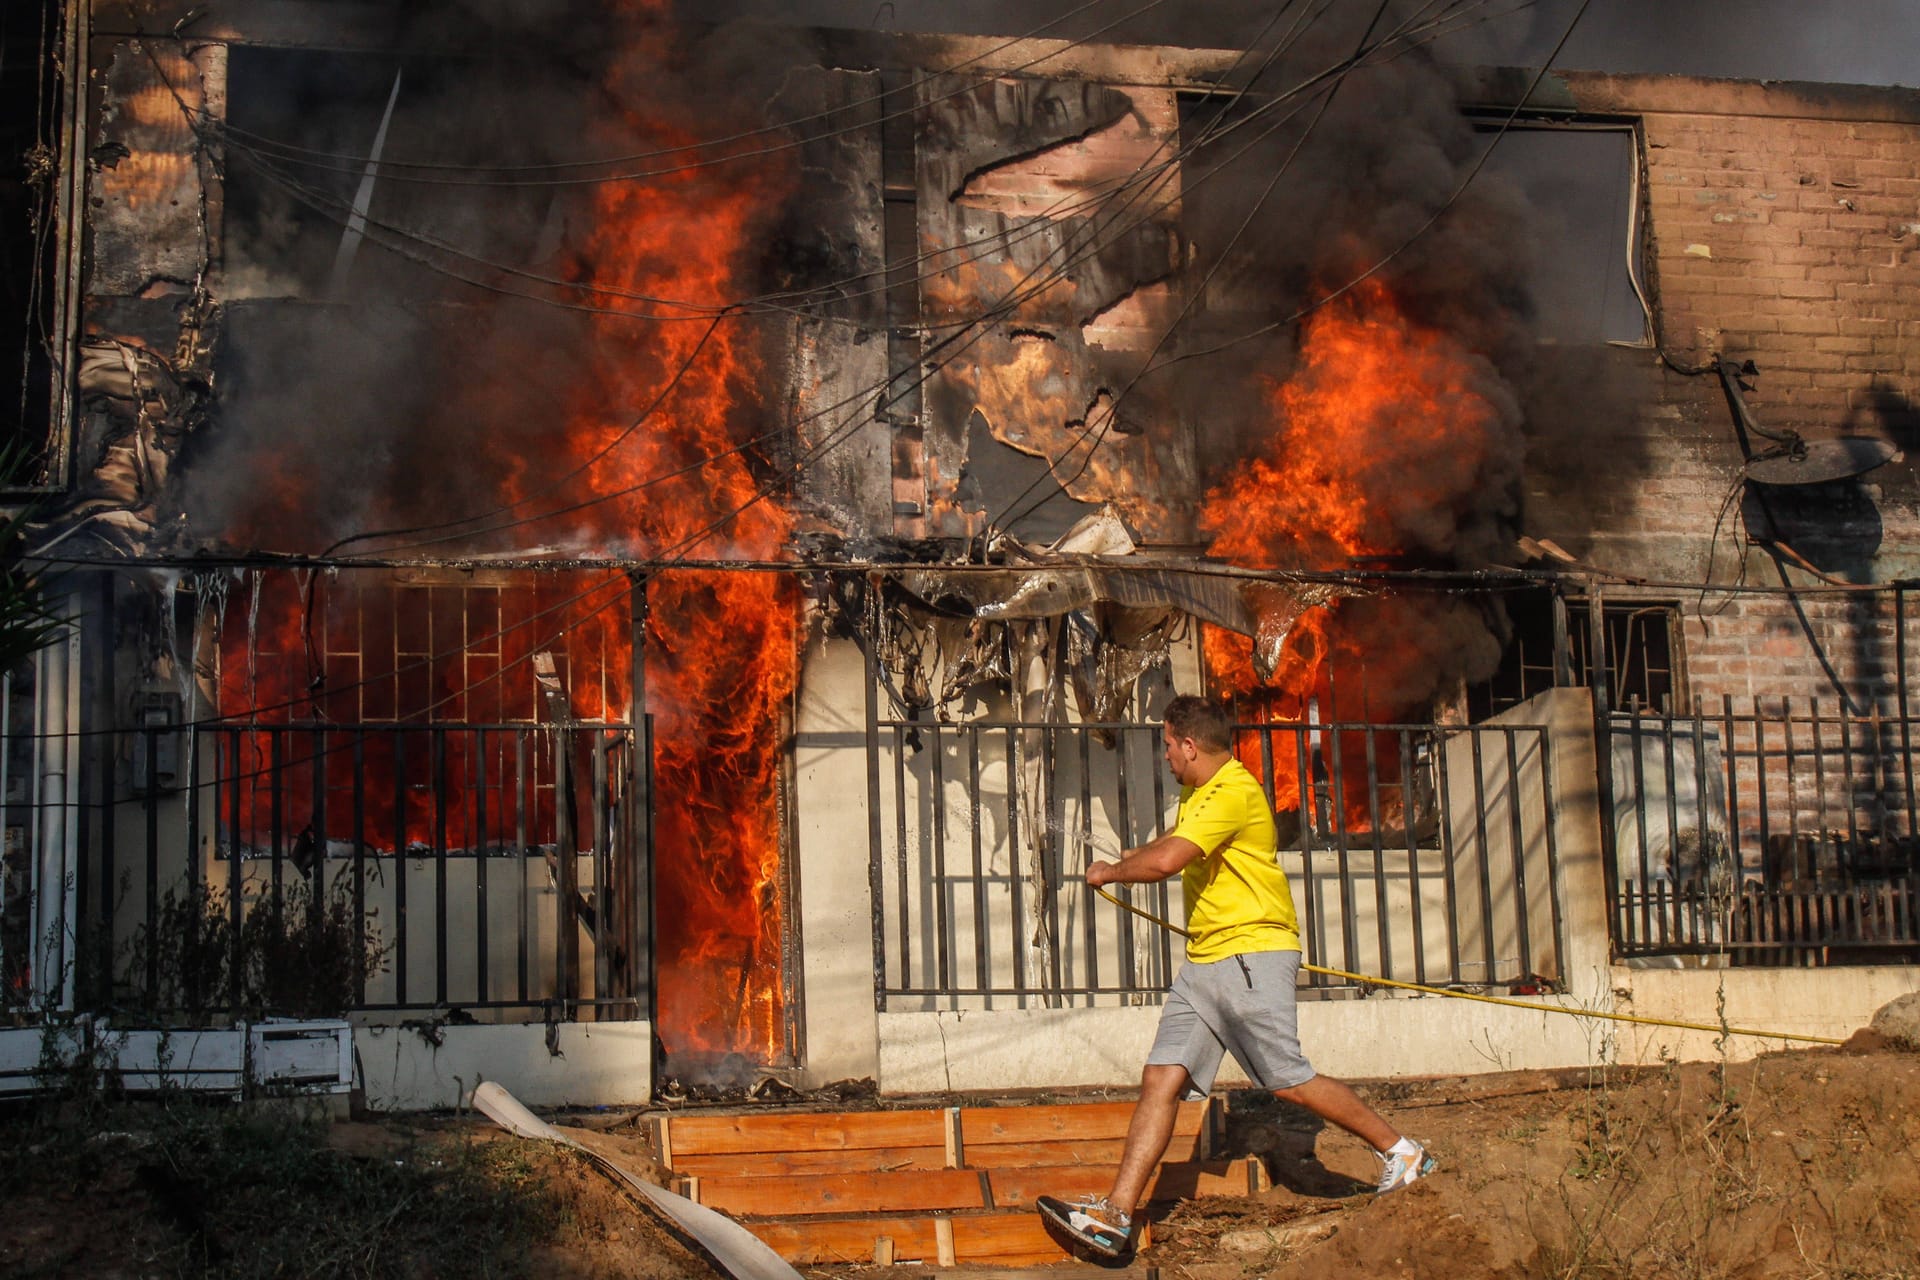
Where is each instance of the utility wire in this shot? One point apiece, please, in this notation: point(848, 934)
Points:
point(676, 553)
point(1005, 306)
point(339, 210)
point(563, 480)
point(1417, 233)
point(1104, 424)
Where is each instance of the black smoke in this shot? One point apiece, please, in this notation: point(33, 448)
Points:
point(408, 388)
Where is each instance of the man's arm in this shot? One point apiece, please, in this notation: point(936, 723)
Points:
point(1155, 860)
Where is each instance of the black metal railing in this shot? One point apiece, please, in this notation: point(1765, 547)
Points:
point(1778, 832)
point(1416, 852)
point(473, 867)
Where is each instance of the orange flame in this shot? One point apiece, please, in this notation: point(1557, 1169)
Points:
point(722, 648)
point(721, 663)
point(1380, 442)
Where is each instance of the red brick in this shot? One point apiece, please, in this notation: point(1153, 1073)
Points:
point(1885, 168)
point(1802, 220)
point(1870, 223)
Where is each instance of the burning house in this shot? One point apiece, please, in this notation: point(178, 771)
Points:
point(624, 556)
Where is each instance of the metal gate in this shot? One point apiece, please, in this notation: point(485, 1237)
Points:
point(1774, 832)
point(1417, 852)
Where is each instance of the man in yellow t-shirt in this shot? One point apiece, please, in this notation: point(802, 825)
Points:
point(1236, 992)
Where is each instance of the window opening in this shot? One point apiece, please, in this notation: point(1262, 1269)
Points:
point(1641, 654)
point(1581, 185)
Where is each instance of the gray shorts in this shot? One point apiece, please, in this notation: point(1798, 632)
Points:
point(1243, 1005)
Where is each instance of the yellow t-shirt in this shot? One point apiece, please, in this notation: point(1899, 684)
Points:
point(1238, 898)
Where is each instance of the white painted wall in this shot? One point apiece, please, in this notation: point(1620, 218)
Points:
point(839, 1030)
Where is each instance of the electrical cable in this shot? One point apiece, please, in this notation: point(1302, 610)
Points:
point(1006, 515)
point(696, 536)
point(1417, 233)
point(340, 212)
point(475, 519)
point(1372, 980)
point(795, 303)
point(720, 523)
point(1104, 424)
point(673, 383)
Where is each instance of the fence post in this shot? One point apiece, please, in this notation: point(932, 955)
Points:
point(1598, 683)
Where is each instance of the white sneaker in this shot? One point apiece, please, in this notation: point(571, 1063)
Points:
point(1403, 1166)
point(1091, 1222)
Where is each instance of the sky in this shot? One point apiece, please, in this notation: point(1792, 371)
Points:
point(1843, 41)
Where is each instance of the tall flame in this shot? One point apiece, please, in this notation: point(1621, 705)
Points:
point(1380, 444)
point(722, 646)
point(675, 478)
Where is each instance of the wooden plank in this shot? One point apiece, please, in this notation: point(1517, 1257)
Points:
point(662, 1134)
point(855, 1160)
point(956, 1152)
point(806, 1131)
point(1104, 1152)
point(1079, 1121)
point(994, 1239)
point(823, 1241)
point(943, 1242)
point(1005, 1238)
point(786, 1195)
point(1186, 1180)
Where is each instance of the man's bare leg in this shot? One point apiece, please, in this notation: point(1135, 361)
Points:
point(1333, 1101)
point(1148, 1133)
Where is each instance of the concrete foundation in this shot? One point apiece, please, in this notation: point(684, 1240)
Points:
point(1813, 1002)
point(584, 1064)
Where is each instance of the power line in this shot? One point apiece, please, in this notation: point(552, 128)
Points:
point(1004, 306)
point(1103, 424)
point(693, 310)
point(1013, 299)
point(999, 309)
point(1193, 295)
point(1417, 233)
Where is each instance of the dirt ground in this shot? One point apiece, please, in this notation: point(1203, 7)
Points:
point(1801, 1164)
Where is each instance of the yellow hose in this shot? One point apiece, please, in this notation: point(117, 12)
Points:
point(1369, 979)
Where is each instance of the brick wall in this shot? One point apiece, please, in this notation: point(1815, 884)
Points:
point(1757, 646)
point(1795, 242)
point(1783, 226)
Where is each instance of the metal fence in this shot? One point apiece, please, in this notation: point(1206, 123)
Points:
point(473, 867)
point(1778, 832)
point(1416, 852)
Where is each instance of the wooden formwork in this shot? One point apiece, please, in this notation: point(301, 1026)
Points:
point(948, 1186)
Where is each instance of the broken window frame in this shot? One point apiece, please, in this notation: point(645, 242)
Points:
point(1491, 121)
point(1652, 675)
